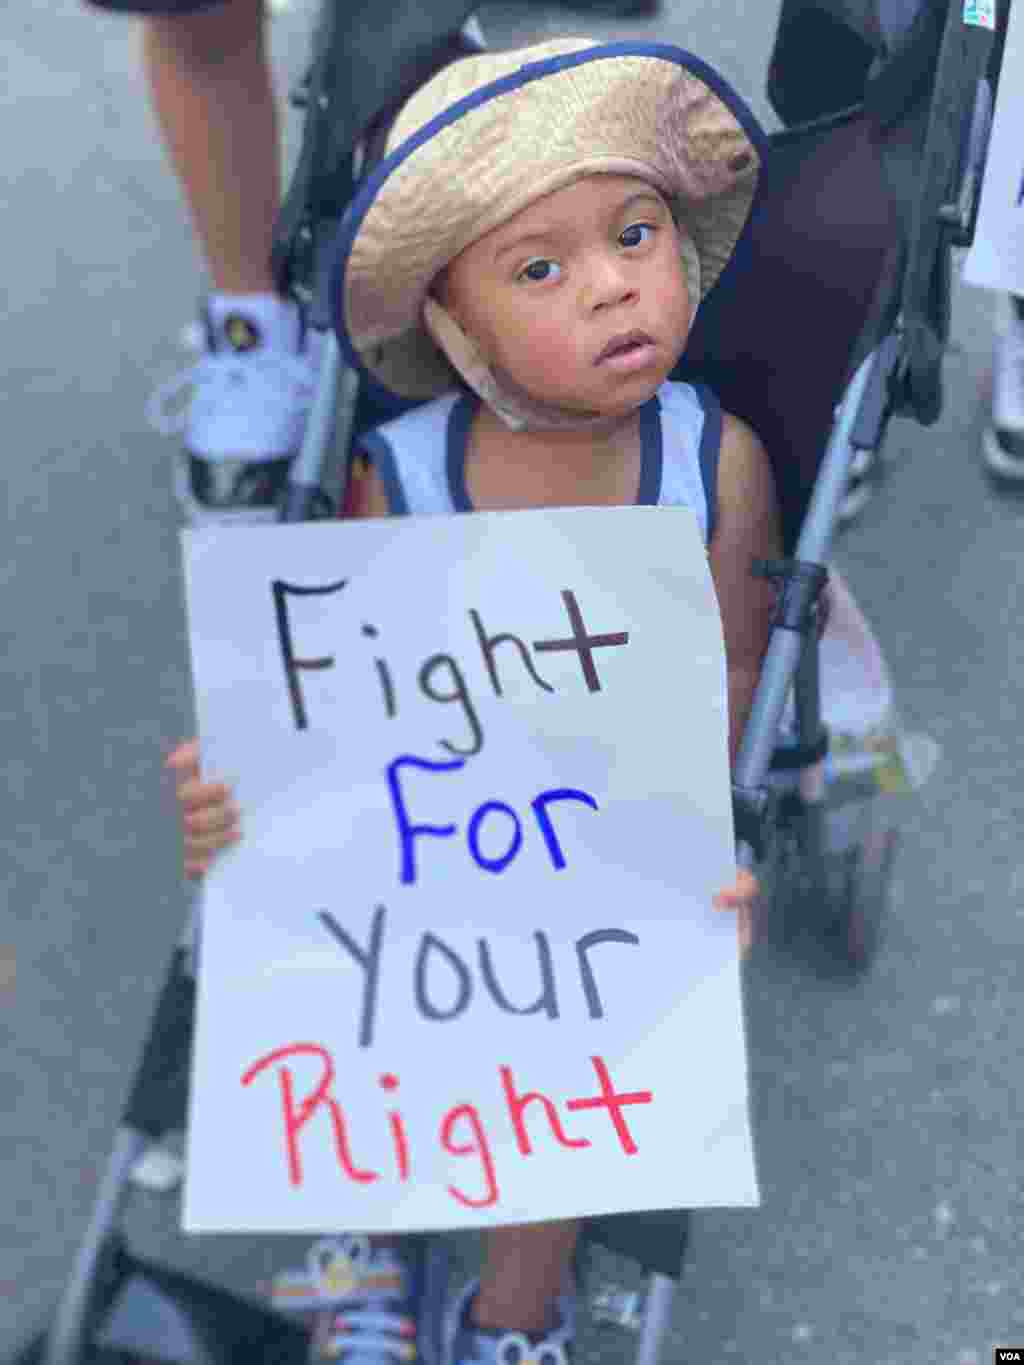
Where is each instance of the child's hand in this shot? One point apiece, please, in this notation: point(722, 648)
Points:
point(209, 817)
point(741, 897)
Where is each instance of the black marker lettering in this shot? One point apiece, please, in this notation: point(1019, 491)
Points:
point(460, 693)
point(431, 943)
point(384, 673)
point(292, 665)
point(368, 960)
point(548, 998)
point(581, 643)
point(488, 644)
point(583, 947)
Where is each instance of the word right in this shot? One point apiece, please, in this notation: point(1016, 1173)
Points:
point(461, 1131)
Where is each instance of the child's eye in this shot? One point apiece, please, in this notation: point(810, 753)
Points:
point(638, 227)
point(527, 271)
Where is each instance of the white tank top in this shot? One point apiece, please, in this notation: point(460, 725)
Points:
point(421, 456)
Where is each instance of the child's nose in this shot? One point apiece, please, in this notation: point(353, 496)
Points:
point(609, 282)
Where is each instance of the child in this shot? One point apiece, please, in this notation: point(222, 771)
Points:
point(528, 257)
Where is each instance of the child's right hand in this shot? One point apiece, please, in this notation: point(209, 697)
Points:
point(210, 819)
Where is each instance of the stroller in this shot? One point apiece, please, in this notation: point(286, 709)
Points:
point(863, 195)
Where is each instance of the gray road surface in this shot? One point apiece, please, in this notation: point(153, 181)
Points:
point(887, 1115)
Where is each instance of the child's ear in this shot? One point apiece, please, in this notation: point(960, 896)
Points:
point(444, 291)
point(441, 292)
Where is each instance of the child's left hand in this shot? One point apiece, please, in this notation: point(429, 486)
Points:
point(741, 897)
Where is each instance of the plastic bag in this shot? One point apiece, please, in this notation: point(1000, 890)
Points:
point(870, 753)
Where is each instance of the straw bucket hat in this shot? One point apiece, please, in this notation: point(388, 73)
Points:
point(488, 136)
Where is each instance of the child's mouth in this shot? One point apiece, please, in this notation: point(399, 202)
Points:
point(628, 352)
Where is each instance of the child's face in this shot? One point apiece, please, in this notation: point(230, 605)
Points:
point(602, 259)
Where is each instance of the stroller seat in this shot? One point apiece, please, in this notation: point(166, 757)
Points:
point(812, 288)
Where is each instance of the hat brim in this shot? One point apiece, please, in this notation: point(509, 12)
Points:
point(647, 109)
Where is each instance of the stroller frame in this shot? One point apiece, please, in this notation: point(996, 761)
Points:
point(115, 1305)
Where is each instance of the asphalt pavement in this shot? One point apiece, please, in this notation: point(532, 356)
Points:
point(887, 1112)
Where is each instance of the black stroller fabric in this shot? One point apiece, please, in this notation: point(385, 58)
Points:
point(809, 292)
point(914, 70)
point(825, 51)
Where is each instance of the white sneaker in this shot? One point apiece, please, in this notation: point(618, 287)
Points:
point(249, 405)
point(1003, 442)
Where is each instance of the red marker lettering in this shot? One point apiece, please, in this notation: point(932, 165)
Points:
point(614, 1103)
point(480, 1148)
point(389, 1082)
point(295, 1121)
point(516, 1105)
point(462, 1131)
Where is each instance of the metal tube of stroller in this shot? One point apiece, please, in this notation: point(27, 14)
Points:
point(305, 477)
point(64, 1340)
point(785, 646)
point(657, 1314)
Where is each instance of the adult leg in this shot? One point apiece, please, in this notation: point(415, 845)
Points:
point(253, 383)
point(212, 91)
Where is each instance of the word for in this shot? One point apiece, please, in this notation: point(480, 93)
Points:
point(408, 831)
point(461, 1131)
point(434, 955)
point(440, 676)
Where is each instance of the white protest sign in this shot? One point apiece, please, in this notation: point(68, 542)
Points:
point(996, 257)
point(463, 968)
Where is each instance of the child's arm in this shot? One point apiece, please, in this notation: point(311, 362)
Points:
point(747, 529)
point(210, 819)
point(365, 495)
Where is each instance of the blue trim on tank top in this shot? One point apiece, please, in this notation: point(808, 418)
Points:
point(384, 462)
point(460, 420)
point(710, 444)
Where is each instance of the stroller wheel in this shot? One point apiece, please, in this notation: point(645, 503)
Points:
point(829, 905)
point(856, 927)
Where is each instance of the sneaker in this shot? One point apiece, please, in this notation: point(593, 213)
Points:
point(369, 1305)
point(466, 1344)
point(1003, 442)
point(249, 404)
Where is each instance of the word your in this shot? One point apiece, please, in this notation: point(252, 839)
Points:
point(408, 832)
point(461, 1131)
point(434, 952)
point(440, 676)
